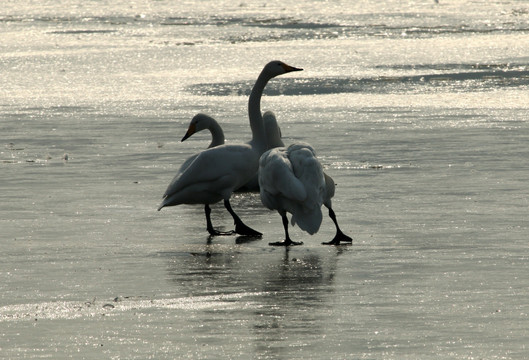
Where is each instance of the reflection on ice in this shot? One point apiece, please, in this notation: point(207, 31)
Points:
point(221, 269)
point(289, 292)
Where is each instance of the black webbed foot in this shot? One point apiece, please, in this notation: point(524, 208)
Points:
point(215, 232)
point(245, 230)
point(286, 242)
point(338, 239)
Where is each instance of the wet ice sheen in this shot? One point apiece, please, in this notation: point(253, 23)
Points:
point(417, 110)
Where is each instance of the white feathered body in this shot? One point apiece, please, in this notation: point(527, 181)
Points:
point(212, 176)
point(292, 180)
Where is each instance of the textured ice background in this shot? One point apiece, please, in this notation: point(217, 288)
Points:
point(418, 109)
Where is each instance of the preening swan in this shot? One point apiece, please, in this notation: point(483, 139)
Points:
point(291, 180)
point(277, 174)
point(216, 172)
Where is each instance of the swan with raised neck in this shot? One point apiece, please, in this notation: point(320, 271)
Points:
point(271, 70)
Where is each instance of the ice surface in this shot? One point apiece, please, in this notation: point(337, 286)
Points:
point(417, 110)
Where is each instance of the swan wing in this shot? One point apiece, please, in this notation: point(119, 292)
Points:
point(308, 170)
point(219, 170)
point(276, 177)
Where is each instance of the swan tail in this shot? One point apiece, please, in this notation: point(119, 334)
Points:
point(165, 202)
point(308, 220)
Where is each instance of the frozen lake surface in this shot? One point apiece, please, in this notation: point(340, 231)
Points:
point(417, 109)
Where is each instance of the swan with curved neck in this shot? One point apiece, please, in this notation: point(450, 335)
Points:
point(201, 122)
point(218, 171)
point(198, 123)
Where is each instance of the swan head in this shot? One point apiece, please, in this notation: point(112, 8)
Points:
point(198, 123)
point(276, 67)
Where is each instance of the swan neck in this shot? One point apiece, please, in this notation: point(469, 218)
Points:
point(254, 113)
point(217, 135)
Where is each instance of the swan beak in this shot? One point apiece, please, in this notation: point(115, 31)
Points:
point(289, 68)
point(190, 131)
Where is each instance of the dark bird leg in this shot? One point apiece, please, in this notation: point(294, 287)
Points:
point(287, 241)
point(240, 227)
point(340, 236)
point(211, 230)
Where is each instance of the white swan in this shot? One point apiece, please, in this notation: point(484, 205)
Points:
point(216, 172)
point(284, 174)
point(198, 123)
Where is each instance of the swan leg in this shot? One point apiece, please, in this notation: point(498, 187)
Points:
point(240, 227)
point(211, 230)
point(340, 236)
point(287, 241)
